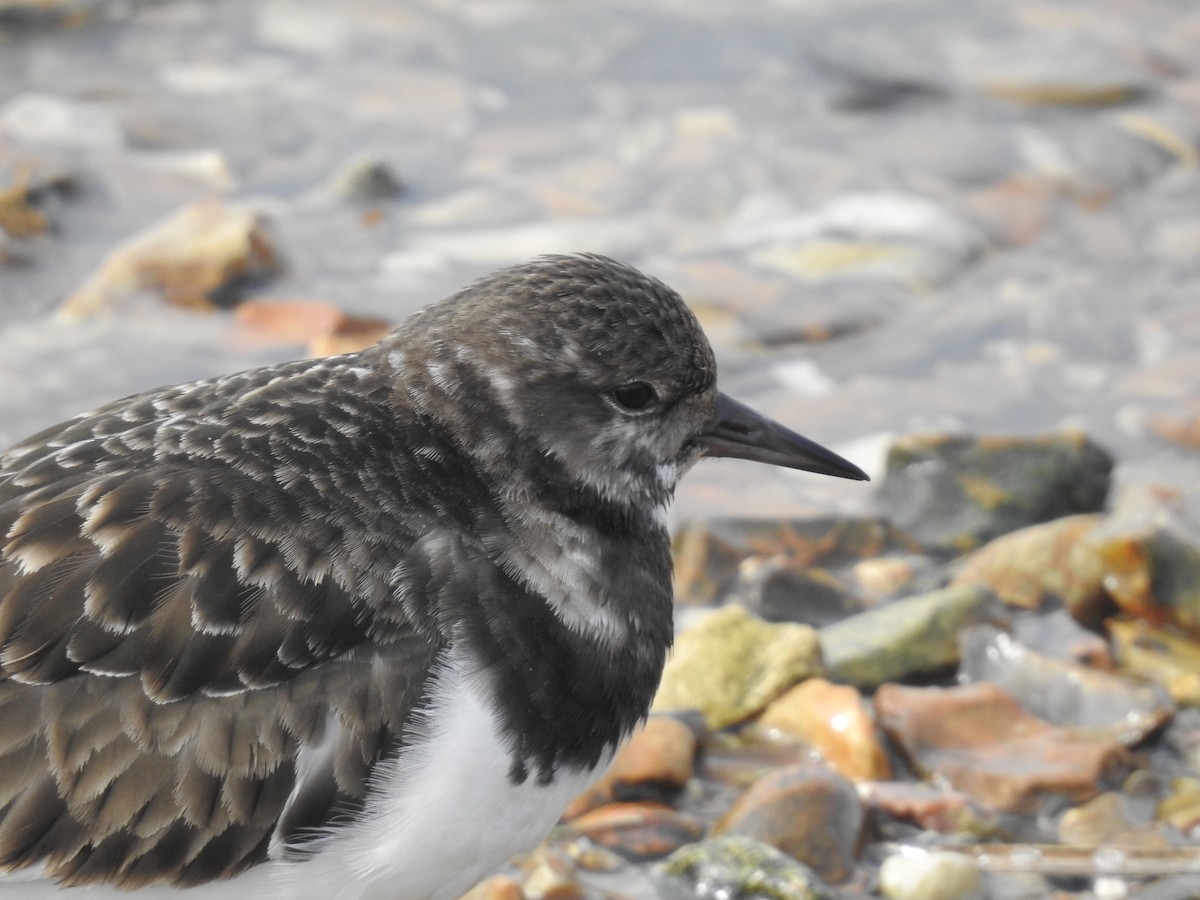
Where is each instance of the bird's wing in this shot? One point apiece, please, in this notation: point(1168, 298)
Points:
point(198, 638)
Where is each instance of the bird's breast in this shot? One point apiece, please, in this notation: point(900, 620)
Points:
point(445, 812)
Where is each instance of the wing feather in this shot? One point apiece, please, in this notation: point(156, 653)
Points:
point(200, 652)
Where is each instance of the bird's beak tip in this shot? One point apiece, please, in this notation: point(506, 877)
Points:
point(740, 432)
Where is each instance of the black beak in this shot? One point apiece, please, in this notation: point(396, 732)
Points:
point(741, 433)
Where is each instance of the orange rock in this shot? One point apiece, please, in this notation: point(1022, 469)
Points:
point(834, 720)
point(639, 830)
point(658, 757)
point(351, 334)
point(288, 321)
point(325, 328)
point(979, 740)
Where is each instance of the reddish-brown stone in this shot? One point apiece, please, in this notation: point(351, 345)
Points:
point(978, 739)
point(808, 811)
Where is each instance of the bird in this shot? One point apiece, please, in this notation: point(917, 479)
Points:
point(358, 626)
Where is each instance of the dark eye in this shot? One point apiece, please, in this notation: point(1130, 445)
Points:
point(633, 397)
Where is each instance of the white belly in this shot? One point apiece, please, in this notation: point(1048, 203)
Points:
point(445, 818)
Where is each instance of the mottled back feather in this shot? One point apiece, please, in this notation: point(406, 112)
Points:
point(220, 602)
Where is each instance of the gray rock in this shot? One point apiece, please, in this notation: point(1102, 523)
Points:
point(954, 492)
point(914, 636)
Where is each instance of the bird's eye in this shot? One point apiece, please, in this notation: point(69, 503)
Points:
point(633, 397)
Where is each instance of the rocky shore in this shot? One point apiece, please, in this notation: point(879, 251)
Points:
point(957, 240)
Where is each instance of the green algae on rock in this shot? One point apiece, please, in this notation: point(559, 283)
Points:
point(735, 866)
point(730, 665)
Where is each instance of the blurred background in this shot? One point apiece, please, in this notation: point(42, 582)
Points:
point(959, 235)
point(893, 217)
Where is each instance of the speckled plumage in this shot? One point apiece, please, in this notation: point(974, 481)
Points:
point(221, 603)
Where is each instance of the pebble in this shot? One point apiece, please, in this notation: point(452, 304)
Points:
point(1032, 566)
point(834, 720)
point(365, 178)
point(909, 637)
point(956, 492)
point(1151, 571)
point(1160, 655)
point(1110, 818)
point(891, 237)
point(311, 322)
point(931, 808)
point(1062, 692)
point(737, 866)
point(788, 570)
point(977, 739)
point(498, 887)
point(730, 665)
point(808, 811)
point(202, 254)
point(638, 830)
point(918, 875)
point(1043, 70)
point(549, 876)
point(655, 763)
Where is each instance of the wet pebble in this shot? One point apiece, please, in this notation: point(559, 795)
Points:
point(898, 238)
point(738, 866)
point(834, 720)
point(655, 763)
point(1110, 818)
point(638, 830)
point(718, 559)
point(909, 637)
point(957, 492)
point(1151, 570)
point(550, 876)
point(1061, 692)
point(322, 326)
point(365, 179)
point(808, 811)
point(1045, 69)
point(920, 875)
point(1036, 564)
point(1054, 633)
point(1160, 655)
point(929, 807)
point(978, 739)
point(46, 120)
point(730, 665)
point(498, 887)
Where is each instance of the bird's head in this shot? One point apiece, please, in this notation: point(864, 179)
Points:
point(599, 369)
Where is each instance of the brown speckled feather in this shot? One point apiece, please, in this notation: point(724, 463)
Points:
point(170, 639)
point(346, 615)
